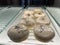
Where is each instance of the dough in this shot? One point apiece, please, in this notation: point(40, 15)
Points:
point(44, 33)
point(18, 33)
point(43, 20)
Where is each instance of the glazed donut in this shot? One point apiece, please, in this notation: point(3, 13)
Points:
point(18, 33)
point(39, 15)
point(43, 20)
point(38, 11)
point(28, 14)
point(30, 22)
point(44, 33)
point(22, 21)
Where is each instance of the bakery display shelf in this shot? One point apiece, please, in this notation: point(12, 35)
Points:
point(31, 40)
point(7, 15)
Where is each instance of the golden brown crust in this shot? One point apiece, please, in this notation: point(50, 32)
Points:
point(43, 20)
point(18, 33)
point(44, 33)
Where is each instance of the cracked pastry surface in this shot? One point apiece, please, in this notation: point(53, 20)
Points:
point(30, 23)
point(27, 14)
point(18, 33)
point(38, 11)
point(43, 20)
point(44, 33)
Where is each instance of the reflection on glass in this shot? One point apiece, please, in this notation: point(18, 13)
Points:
point(7, 16)
point(55, 14)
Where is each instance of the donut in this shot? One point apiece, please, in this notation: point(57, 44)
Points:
point(18, 33)
point(39, 15)
point(22, 21)
point(30, 22)
point(27, 14)
point(44, 33)
point(43, 20)
point(38, 11)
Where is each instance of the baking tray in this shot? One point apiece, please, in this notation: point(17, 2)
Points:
point(31, 40)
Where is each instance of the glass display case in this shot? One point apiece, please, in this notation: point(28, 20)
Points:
point(7, 15)
point(55, 13)
point(11, 16)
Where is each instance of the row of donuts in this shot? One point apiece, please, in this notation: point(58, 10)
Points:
point(41, 24)
point(35, 20)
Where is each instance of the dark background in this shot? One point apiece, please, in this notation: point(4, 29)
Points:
point(32, 2)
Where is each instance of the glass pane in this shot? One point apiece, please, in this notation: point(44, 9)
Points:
point(7, 16)
point(55, 14)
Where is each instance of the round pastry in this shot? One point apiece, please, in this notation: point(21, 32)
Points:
point(22, 21)
point(43, 20)
point(39, 15)
point(44, 33)
point(30, 22)
point(27, 14)
point(38, 11)
point(18, 33)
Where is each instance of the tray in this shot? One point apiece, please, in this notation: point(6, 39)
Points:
point(55, 14)
point(31, 39)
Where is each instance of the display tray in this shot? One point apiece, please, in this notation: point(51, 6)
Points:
point(7, 15)
point(31, 40)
